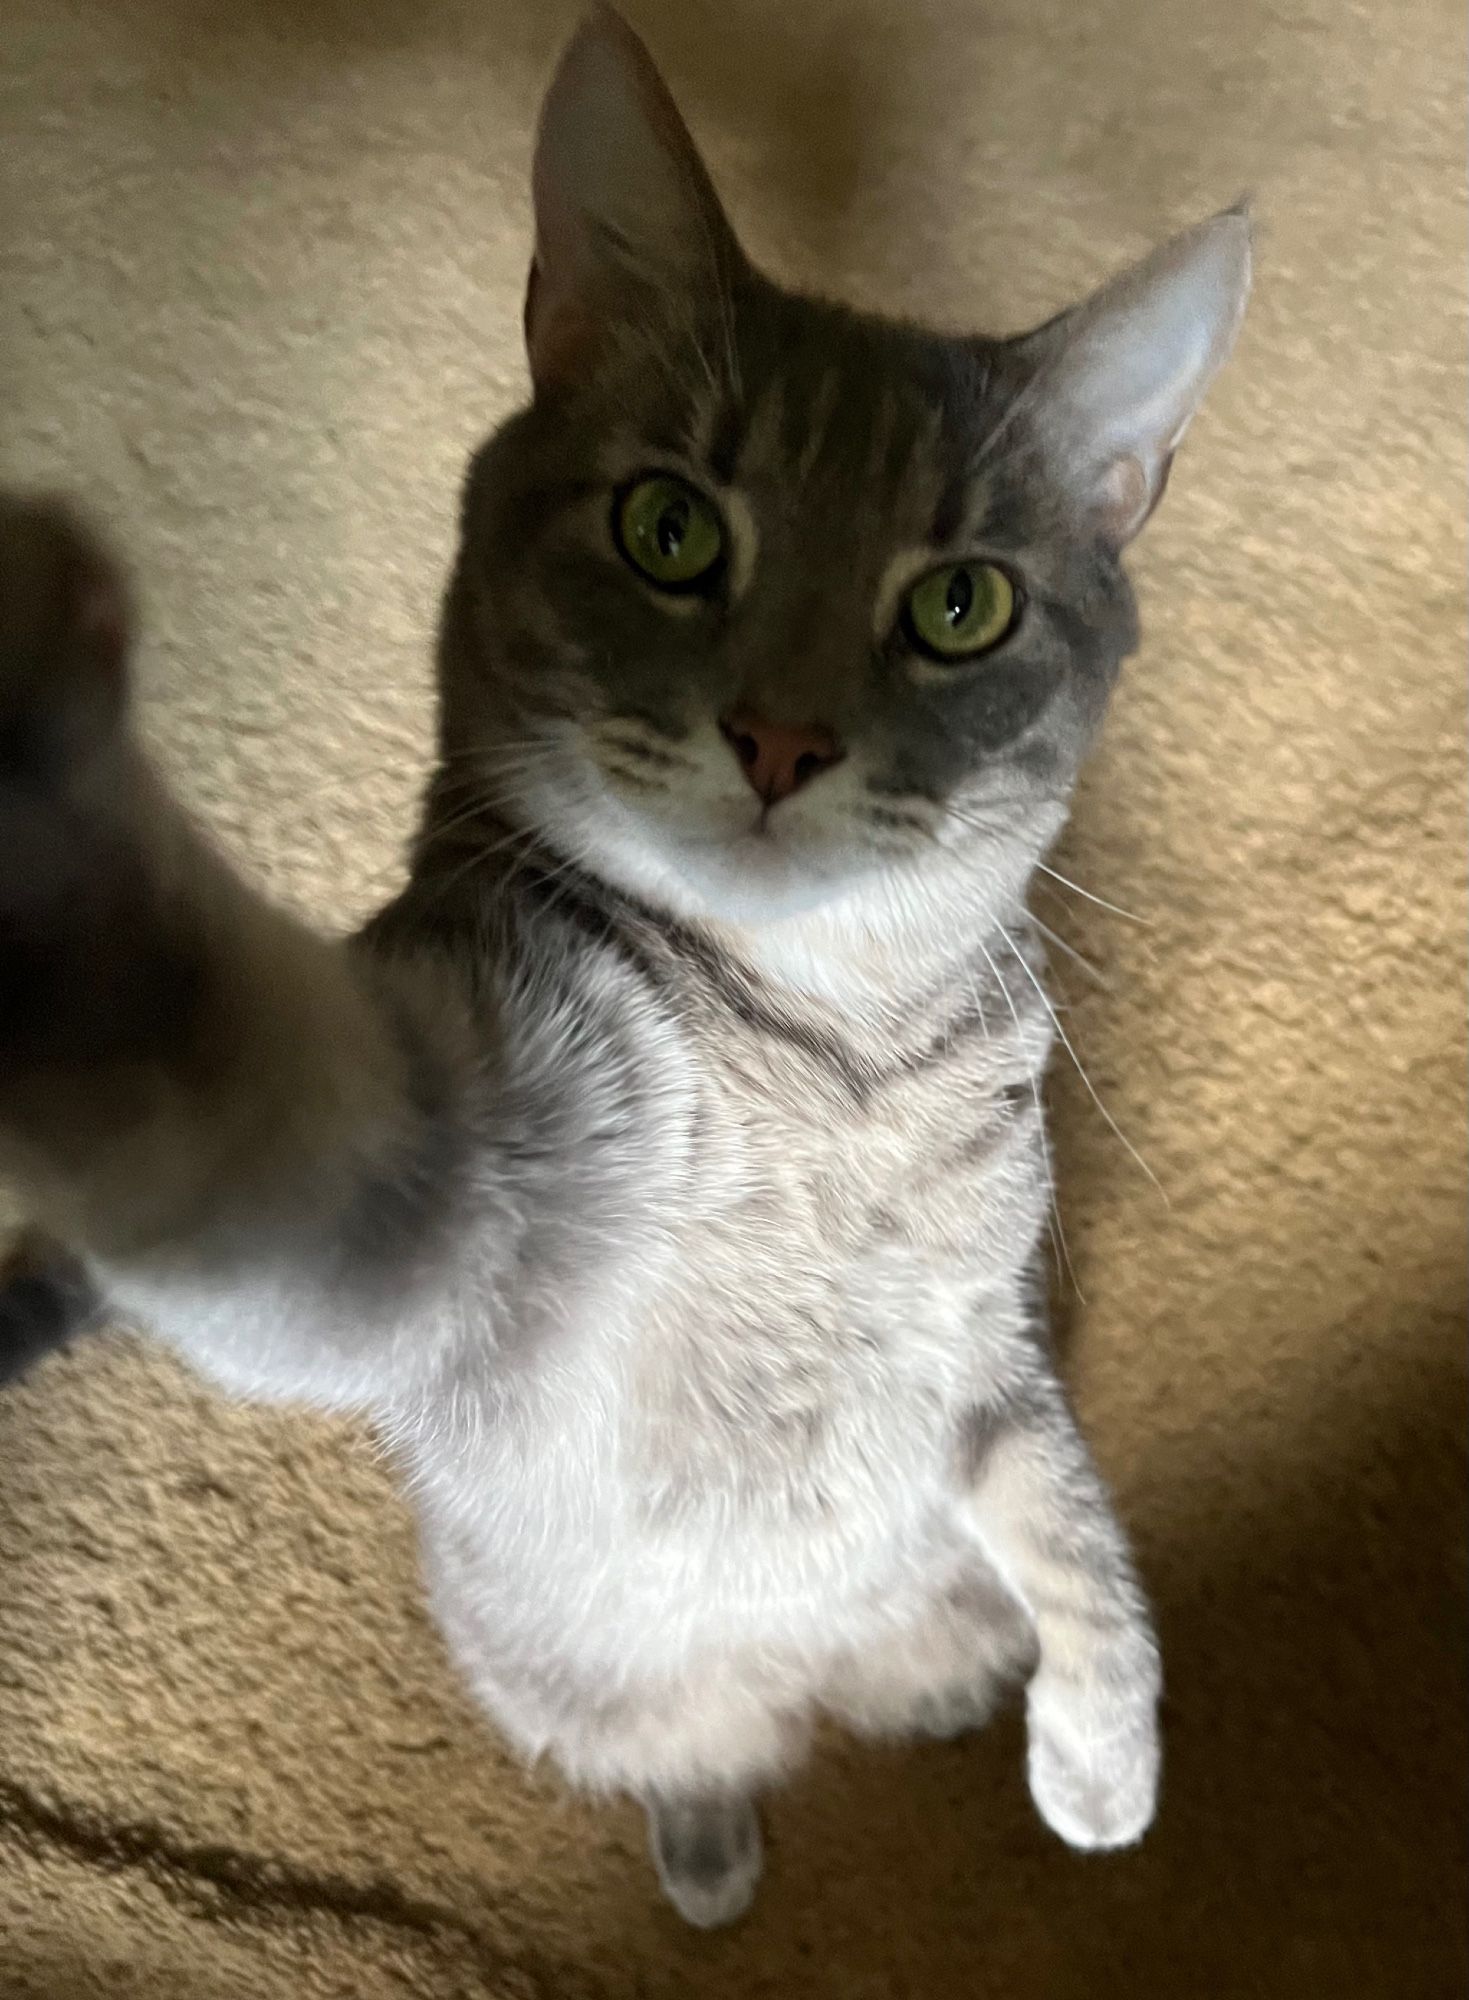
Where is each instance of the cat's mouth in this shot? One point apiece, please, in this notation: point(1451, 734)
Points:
point(735, 855)
point(762, 830)
point(762, 825)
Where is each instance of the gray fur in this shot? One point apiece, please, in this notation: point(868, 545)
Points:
point(665, 1174)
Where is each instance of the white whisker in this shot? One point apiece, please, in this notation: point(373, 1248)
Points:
point(1060, 1249)
point(1055, 938)
point(1076, 1059)
point(1115, 909)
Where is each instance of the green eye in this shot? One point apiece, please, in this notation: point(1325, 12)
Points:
point(956, 613)
point(669, 532)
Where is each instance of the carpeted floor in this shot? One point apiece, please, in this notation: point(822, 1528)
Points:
point(260, 294)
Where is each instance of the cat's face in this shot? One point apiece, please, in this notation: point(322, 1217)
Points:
point(761, 597)
point(781, 640)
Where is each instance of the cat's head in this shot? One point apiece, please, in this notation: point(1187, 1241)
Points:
point(763, 599)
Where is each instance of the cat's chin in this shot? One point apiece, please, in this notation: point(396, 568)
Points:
point(746, 878)
point(750, 876)
point(754, 881)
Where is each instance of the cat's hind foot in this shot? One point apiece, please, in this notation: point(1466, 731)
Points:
point(708, 1852)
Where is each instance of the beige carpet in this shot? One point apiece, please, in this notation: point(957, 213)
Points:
point(260, 293)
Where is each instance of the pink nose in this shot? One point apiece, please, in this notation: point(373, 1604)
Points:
point(777, 760)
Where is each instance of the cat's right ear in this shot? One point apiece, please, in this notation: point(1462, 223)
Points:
point(1122, 375)
point(627, 221)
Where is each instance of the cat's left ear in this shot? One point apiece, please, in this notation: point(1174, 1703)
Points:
point(628, 226)
point(1119, 378)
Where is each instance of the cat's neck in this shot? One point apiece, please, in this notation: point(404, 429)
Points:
point(872, 954)
point(875, 953)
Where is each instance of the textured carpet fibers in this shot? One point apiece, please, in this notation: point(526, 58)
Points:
point(261, 282)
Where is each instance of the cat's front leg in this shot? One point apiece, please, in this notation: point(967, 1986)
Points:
point(1035, 1503)
point(47, 1298)
point(199, 1096)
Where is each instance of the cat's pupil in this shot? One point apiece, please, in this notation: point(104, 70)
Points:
point(672, 526)
point(959, 597)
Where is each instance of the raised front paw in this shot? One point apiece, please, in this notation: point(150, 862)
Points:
point(64, 628)
point(1094, 1758)
point(75, 895)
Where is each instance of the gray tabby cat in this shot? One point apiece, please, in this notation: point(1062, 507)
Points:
point(664, 1170)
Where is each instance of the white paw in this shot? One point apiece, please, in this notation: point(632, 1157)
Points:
point(1094, 1767)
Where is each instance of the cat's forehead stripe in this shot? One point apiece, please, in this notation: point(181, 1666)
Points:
point(956, 503)
point(722, 449)
point(761, 443)
point(817, 416)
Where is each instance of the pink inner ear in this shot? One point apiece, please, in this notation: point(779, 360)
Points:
point(1124, 499)
point(1128, 498)
point(558, 331)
